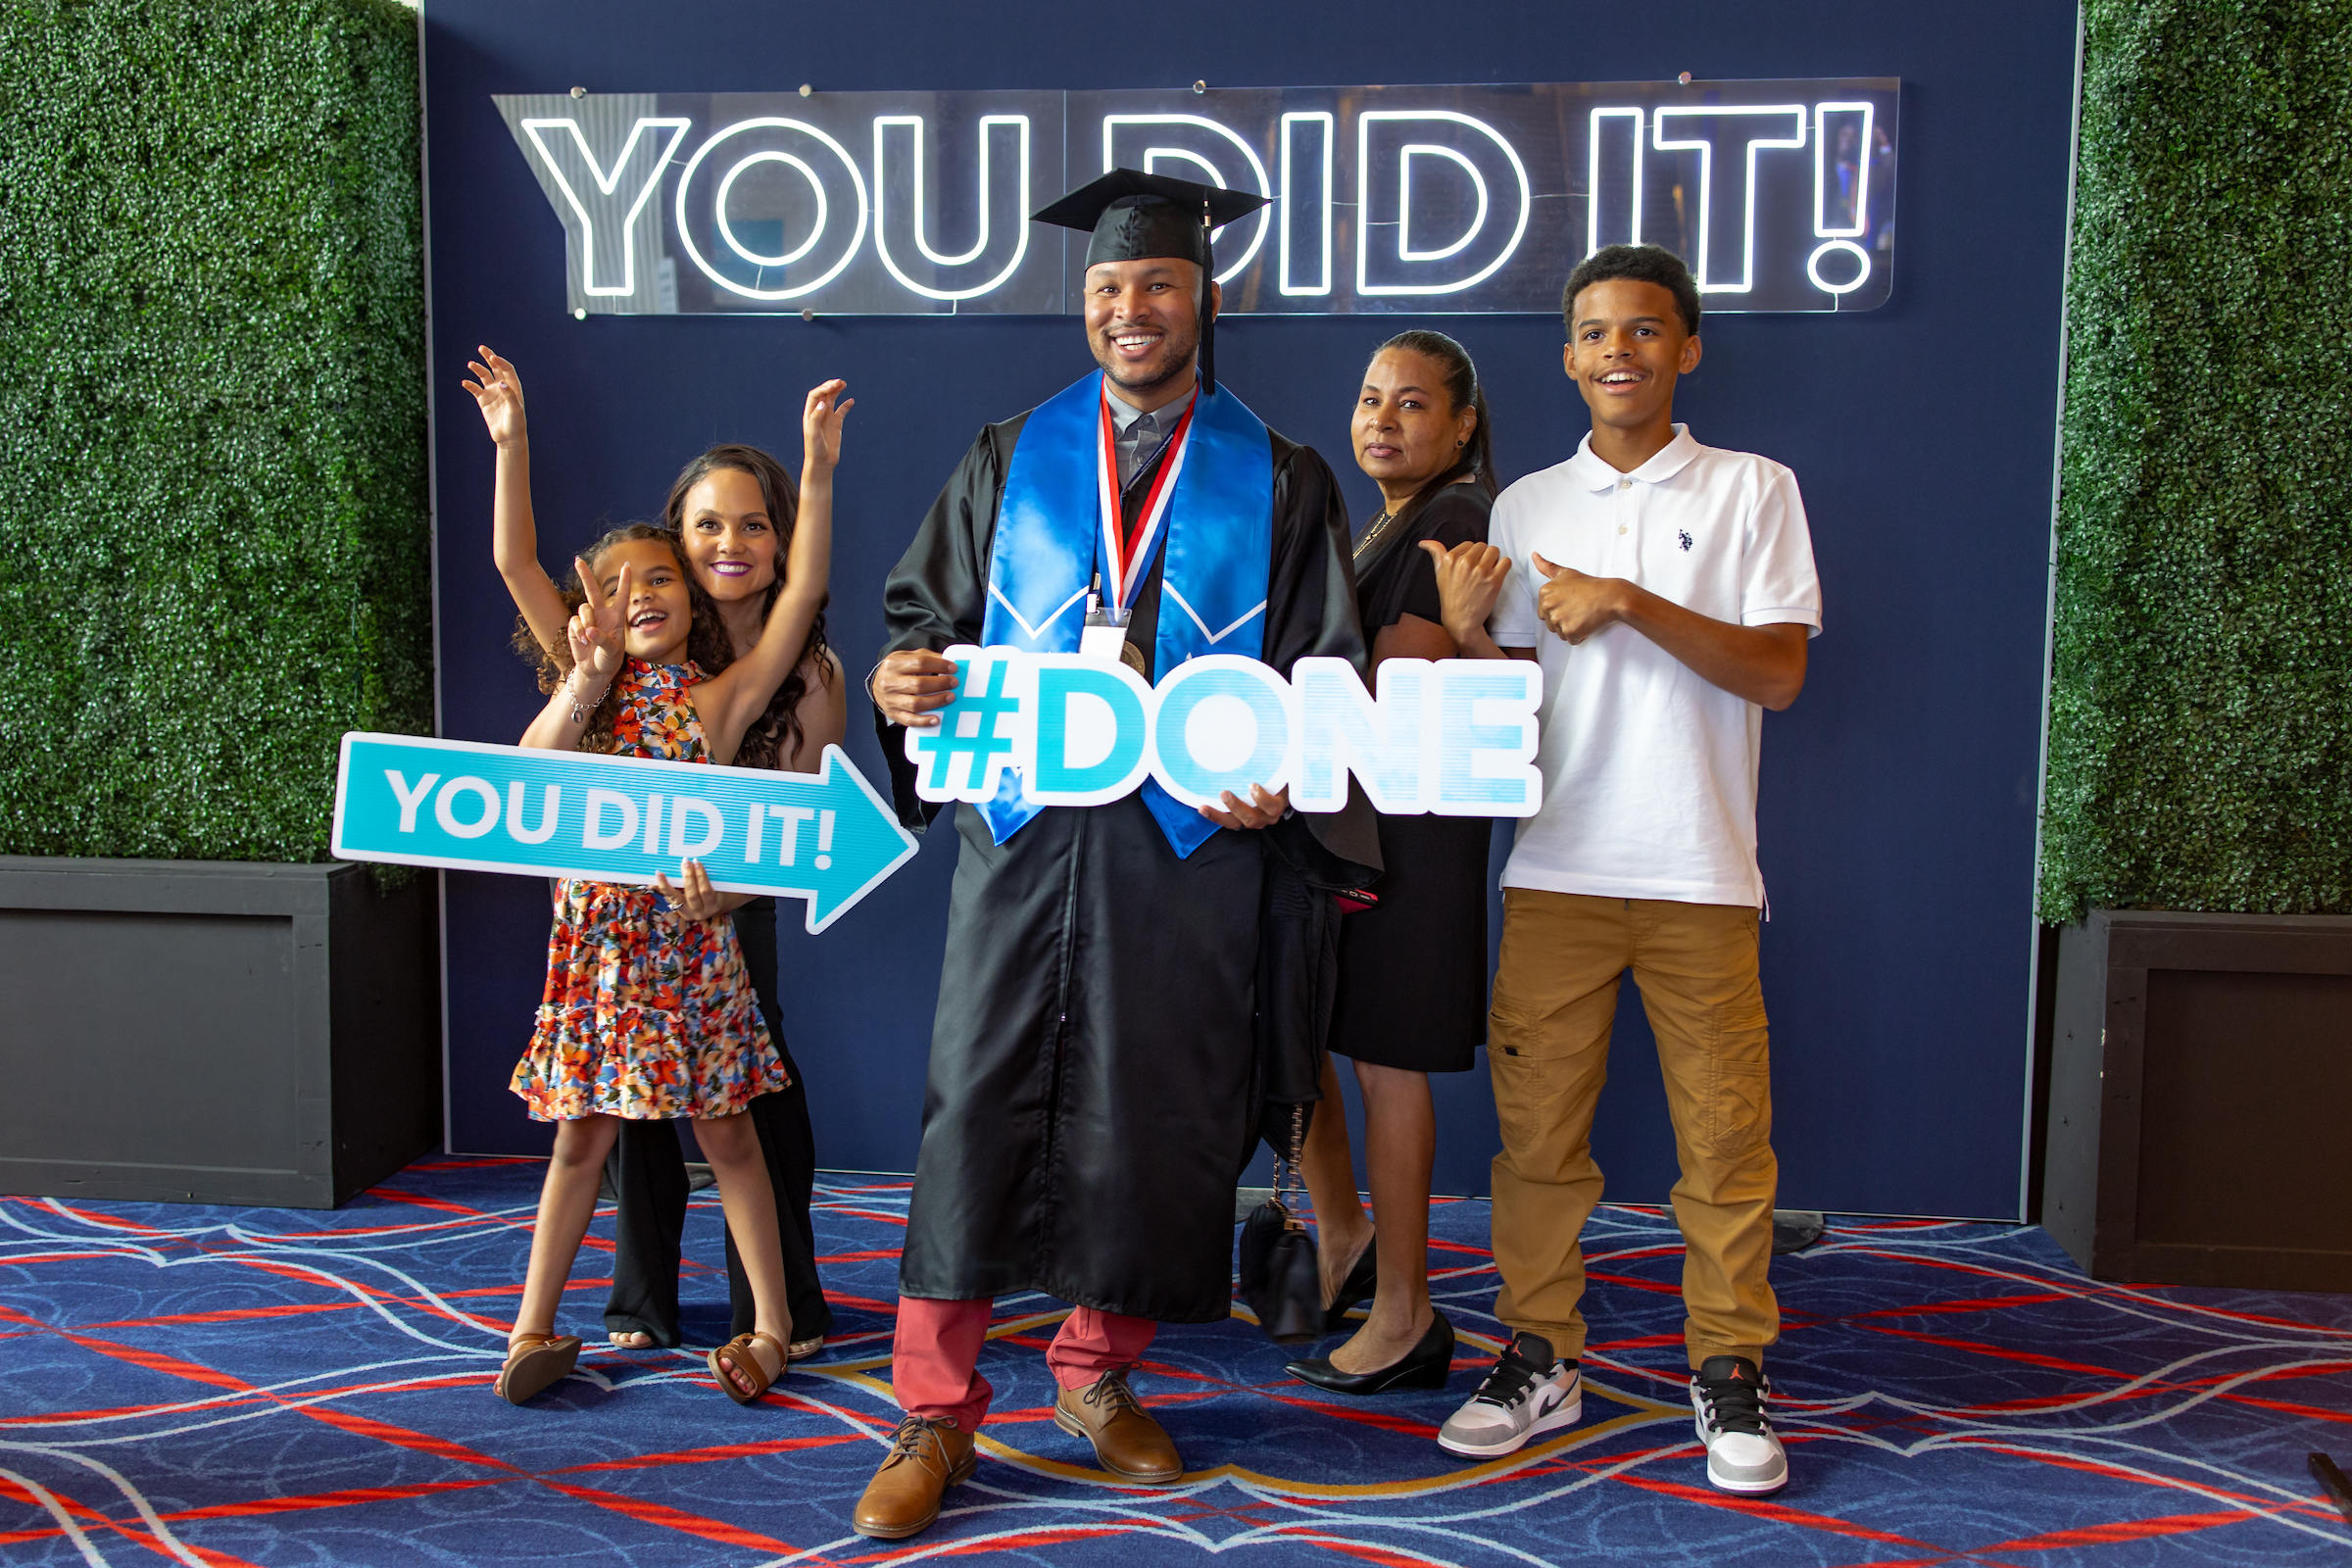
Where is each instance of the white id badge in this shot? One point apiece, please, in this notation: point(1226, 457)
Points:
point(1102, 642)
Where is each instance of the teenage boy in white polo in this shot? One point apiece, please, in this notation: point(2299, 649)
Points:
point(1667, 589)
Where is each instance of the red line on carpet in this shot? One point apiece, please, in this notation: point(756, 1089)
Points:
point(335, 1499)
point(1981, 1303)
point(657, 1513)
point(1778, 1513)
point(440, 1204)
point(2177, 1524)
point(133, 1530)
point(2315, 1508)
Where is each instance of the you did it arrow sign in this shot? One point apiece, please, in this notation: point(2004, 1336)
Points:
point(466, 807)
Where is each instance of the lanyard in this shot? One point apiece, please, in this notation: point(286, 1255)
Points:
point(1130, 553)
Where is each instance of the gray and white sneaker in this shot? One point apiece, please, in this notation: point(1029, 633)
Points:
point(1728, 1394)
point(1528, 1391)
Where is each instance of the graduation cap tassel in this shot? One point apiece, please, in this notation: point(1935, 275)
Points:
point(1209, 319)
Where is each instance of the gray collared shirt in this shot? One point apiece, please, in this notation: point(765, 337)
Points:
point(1137, 437)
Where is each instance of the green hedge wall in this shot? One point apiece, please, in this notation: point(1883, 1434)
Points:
point(2202, 691)
point(212, 419)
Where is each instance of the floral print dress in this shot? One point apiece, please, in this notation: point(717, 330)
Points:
point(648, 1012)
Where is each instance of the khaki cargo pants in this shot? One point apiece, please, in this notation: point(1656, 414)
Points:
point(1556, 996)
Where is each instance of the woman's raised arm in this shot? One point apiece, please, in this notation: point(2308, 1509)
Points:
point(730, 702)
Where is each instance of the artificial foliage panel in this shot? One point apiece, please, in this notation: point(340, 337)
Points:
point(212, 419)
point(2202, 686)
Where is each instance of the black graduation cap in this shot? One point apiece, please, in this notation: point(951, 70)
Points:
point(1134, 216)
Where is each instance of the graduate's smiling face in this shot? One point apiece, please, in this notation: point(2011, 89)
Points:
point(1142, 320)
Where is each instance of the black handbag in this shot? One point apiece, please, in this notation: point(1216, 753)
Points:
point(1280, 1280)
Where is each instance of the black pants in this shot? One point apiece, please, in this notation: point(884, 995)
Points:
point(648, 1172)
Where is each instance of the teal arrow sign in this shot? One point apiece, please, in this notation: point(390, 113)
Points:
point(826, 837)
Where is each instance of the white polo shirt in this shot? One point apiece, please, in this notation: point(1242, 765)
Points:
point(1650, 772)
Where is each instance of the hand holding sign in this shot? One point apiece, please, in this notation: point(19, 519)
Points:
point(911, 685)
point(1260, 811)
point(1574, 604)
point(698, 898)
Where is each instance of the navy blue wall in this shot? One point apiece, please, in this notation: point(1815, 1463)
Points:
point(1897, 799)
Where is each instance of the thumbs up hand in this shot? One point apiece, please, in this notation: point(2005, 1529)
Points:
point(1574, 605)
point(1470, 576)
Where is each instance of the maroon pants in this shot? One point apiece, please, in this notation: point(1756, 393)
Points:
point(935, 1358)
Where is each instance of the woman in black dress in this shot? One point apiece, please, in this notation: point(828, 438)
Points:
point(733, 509)
point(1412, 981)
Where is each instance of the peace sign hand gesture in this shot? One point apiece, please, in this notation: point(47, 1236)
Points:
point(498, 392)
point(597, 631)
point(820, 425)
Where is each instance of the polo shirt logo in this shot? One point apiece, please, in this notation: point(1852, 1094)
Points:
point(1686, 538)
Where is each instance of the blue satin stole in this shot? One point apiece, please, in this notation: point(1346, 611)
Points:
point(1217, 548)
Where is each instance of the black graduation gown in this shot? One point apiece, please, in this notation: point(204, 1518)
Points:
point(1094, 1080)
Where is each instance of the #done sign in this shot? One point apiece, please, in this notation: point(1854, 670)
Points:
point(1780, 194)
point(1456, 737)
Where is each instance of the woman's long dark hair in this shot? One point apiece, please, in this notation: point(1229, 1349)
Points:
point(776, 734)
point(1477, 457)
point(706, 636)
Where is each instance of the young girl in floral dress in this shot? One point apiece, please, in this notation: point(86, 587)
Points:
point(733, 511)
point(647, 1013)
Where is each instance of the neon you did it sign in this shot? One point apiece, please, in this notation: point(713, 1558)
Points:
point(1780, 194)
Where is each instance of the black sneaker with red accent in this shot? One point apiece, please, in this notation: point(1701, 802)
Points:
point(1728, 1394)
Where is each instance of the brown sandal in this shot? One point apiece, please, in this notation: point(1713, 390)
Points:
point(802, 1349)
point(533, 1363)
point(737, 1354)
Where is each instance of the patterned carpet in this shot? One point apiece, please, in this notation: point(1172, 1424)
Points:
point(268, 1387)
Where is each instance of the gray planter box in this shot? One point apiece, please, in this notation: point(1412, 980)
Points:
point(2199, 1069)
point(214, 1032)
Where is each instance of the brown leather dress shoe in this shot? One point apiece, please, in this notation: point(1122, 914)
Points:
point(927, 1456)
point(1129, 1443)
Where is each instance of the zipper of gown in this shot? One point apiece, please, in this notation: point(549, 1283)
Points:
point(1061, 1026)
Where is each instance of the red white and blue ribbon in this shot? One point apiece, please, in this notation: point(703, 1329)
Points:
point(1127, 551)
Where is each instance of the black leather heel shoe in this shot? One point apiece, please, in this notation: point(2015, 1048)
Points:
point(1424, 1366)
point(1362, 1280)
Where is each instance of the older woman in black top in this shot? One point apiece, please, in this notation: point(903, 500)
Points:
point(1412, 983)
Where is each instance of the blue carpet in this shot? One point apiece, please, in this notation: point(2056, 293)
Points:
point(271, 1386)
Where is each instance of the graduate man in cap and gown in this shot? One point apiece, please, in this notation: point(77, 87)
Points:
point(1092, 1098)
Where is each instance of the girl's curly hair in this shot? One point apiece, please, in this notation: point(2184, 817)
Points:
point(776, 734)
point(706, 638)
